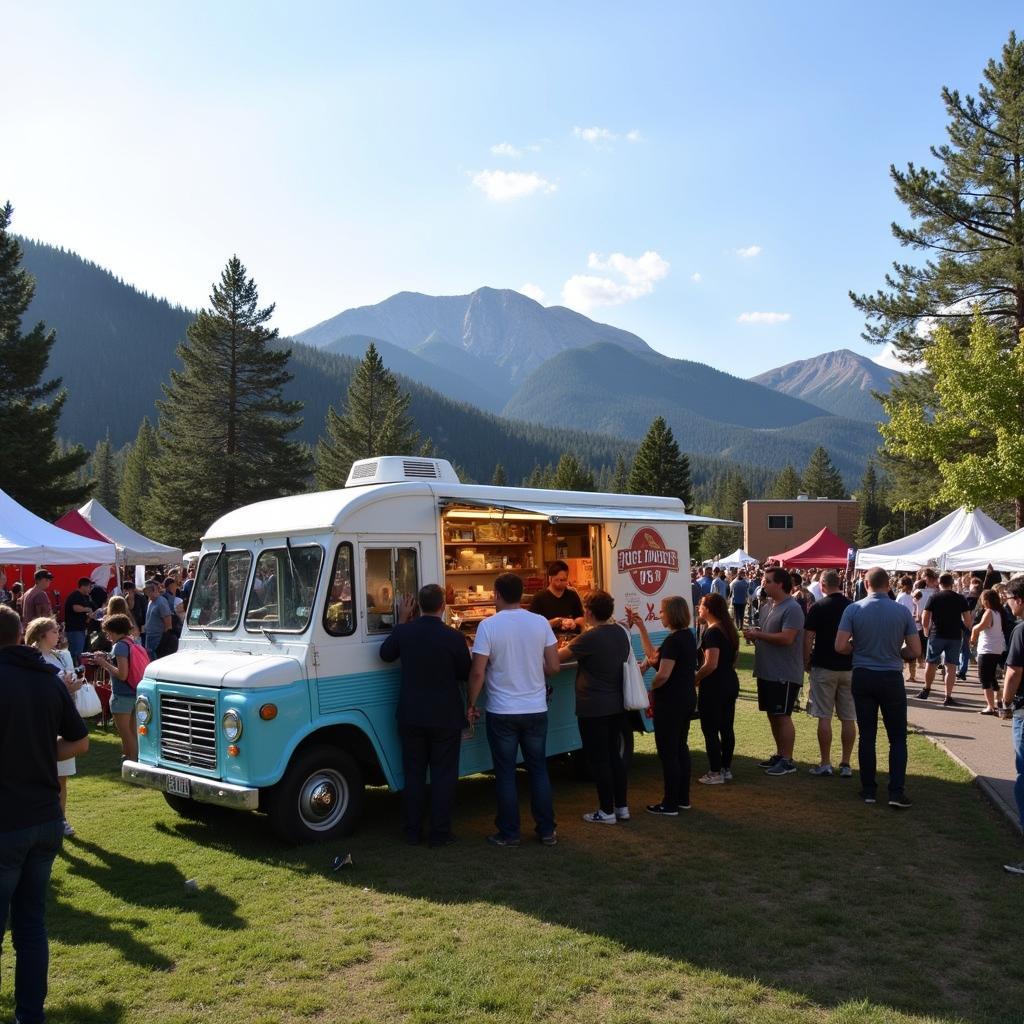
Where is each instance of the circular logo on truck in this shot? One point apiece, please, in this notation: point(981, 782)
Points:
point(648, 561)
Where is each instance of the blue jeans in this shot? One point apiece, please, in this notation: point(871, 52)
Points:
point(26, 857)
point(1018, 752)
point(152, 642)
point(875, 691)
point(506, 735)
point(76, 644)
point(965, 654)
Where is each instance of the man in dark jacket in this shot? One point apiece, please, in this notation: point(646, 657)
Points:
point(431, 711)
point(39, 726)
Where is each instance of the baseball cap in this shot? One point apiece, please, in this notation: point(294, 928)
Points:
point(43, 574)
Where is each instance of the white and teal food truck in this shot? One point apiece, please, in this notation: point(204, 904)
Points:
point(277, 700)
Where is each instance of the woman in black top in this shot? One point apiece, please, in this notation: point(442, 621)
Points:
point(718, 687)
point(599, 652)
point(674, 698)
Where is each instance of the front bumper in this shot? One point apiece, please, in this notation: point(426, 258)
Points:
point(206, 791)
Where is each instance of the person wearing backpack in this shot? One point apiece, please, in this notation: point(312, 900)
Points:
point(125, 665)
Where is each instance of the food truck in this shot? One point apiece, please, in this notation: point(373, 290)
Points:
point(277, 700)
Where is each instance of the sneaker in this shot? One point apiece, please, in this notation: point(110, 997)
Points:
point(598, 817)
point(923, 694)
point(69, 829)
point(499, 840)
point(962, 678)
point(845, 771)
point(712, 779)
point(868, 798)
point(899, 800)
point(1015, 869)
point(663, 809)
point(551, 840)
point(948, 702)
point(622, 813)
point(782, 767)
point(771, 762)
point(727, 775)
point(988, 711)
point(821, 770)
point(684, 807)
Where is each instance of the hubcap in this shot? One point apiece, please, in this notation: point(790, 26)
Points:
point(323, 800)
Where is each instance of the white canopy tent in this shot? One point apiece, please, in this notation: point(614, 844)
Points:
point(25, 539)
point(1005, 554)
point(132, 547)
point(956, 532)
point(737, 560)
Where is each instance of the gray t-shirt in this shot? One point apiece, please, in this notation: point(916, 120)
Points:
point(157, 610)
point(781, 664)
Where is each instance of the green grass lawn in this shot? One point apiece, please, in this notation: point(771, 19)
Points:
point(773, 900)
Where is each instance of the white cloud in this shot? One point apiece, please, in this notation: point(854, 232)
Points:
point(596, 136)
point(763, 318)
point(584, 292)
point(505, 186)
point(532, 291)
point(696, 277)
point(634, 136)
point(506, 149)
point(749, 252)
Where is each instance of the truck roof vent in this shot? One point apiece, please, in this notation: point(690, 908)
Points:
point(393, 469)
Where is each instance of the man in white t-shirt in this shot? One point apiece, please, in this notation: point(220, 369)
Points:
point(514, 650)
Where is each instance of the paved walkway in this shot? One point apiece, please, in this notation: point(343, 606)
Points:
point(981, 743)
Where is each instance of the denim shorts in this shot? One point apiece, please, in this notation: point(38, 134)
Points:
point(943, 646)
point(121, 705)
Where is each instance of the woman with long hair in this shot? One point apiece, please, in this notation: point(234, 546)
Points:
point(988, 636)
point(44, 635)
point(718, 687)
point(674, 698)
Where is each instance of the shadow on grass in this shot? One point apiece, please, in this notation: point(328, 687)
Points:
point(78, 1012)
point(794, 880)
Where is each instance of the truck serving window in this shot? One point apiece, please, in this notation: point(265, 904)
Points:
point(283, 589)
point(340, 609)
point(219, 588)
point(390, 574)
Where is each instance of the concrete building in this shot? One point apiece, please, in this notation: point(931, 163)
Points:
point(772, 526)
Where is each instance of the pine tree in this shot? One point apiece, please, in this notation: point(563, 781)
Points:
point(104, 477)
point(620, 477)
point(571, 475)
point(872, 512)
point(967, 220)
point(375, 421)
point(786, 486)
point(540, 477)
point(730, 494)
point(821, 479)
point(659, 467)
point(34, 470)
point(137, 477)
point(498, 479)
point(224, 424)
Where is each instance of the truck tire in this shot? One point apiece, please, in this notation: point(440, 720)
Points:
point(319, 798)
point(194, 810)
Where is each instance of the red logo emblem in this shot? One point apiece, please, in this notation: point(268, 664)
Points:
point(648, 561)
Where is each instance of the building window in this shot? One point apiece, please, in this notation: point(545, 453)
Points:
point(780, 522)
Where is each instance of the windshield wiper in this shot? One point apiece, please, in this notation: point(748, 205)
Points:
point(208, 633)
point(266, 632)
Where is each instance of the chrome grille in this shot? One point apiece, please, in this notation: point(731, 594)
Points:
point(188, 731)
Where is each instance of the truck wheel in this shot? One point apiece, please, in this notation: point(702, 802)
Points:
point(193, 809)
point(319, 798)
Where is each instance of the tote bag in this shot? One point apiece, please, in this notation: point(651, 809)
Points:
point(634, 692)
point(87, 701)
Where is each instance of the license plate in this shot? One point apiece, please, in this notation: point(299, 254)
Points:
point(179, 786)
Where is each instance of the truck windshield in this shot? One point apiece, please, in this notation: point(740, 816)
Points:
point(219, 588)
point(283, 588)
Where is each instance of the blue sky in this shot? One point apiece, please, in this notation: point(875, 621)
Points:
point(714, 180)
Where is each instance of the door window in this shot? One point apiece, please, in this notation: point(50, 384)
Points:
point(390, 574)
point(340, 610)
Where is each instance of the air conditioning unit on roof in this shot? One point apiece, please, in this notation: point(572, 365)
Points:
point(395, 469)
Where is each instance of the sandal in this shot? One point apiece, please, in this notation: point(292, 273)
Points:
point(988, 711)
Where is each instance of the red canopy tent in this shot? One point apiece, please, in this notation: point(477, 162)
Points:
point(824, 550)
point(66, 577)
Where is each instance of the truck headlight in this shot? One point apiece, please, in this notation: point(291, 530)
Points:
point(231, 723)
point(143, 712)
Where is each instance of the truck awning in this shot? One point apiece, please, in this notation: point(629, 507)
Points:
point(556, 512)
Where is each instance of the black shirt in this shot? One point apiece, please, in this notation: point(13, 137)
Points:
point(35, 708)
point(725, 670)
point(681, 648)
point(568, 606)
point(947, 608)
point(1015, 656)
point(76, 622)
point(823, 618)
point(435, 662)
point(599, 653)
